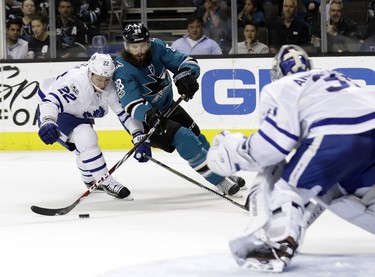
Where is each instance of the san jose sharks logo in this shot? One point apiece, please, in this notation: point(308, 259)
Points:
point(158, 84)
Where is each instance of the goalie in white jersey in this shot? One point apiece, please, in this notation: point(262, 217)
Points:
point(329, 121)
point(69, 104)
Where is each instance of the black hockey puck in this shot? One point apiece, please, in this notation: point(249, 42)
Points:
point(84, 215)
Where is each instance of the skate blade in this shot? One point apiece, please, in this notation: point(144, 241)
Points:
point(264, 266)
point(244, 187)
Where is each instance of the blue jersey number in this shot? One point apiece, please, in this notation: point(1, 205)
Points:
point(343, 82)
point(66, 94)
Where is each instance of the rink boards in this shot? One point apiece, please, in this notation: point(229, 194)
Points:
point(228, 97)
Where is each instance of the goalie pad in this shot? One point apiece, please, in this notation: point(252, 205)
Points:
point(287, 213)
point(260, 196)
point(358, 211)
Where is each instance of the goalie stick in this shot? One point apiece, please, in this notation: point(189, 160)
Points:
point(65, 210)
point(312, 212)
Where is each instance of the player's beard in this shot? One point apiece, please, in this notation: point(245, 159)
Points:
point(137, 61)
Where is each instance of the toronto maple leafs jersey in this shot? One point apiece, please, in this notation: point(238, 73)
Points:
point(307, 105)
point(72, 93)
point(141, 88)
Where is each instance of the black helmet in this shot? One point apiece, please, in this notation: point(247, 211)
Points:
point(136, 32)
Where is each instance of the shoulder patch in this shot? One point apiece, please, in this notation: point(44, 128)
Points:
point(74, 89)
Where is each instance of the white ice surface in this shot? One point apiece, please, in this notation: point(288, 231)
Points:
point(172, 228)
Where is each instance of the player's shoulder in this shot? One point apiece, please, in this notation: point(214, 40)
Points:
point(76, 79)
point(79, 74)
point(123, 68)
point(157, 42)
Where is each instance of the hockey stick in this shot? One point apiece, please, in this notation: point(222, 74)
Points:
point(195, 182)
point(65, 210)
point(313, 209)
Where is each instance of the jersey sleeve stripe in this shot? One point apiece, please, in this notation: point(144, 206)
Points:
point(273, 143)
point(289, 135)
point(343, 121)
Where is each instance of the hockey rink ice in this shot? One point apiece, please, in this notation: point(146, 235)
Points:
point(173, 228)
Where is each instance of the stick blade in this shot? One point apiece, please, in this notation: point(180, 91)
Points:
point(53, 212)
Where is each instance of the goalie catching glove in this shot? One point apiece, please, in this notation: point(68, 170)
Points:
point(186, 83)
point(229, 153)
point(49, 132)
point(143, 149)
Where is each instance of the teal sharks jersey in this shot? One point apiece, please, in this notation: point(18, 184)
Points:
point(141, 88)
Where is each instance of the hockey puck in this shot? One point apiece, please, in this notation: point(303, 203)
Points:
point(84, 215)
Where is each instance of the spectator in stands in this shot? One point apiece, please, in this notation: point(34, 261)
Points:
point(9, 9)
point(369, 43)
point(251, 44)
point(39, 44)
point(42, 7)
point(289, 29)
point(251, 12)
point(90, 12)
point(195, 42)
point(17, 48)
point(71, 32)
point(342, 33)
point(28, 11)
point(312, 16)
point(337, 23)
point(215, 17)
point(198, 4)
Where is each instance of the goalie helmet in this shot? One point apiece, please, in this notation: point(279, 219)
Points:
point(101, 65)
point(136, 33)
point(289, 60)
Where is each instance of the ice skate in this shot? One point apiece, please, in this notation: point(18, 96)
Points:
point(89, 185)
point(239, 181)
point(115, 189)
point(228, 187)
point(255, 254)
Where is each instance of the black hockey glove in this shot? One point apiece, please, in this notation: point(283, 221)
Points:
point(186, 83)
point(154, 118)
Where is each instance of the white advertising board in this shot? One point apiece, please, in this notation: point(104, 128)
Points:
point(228, 96)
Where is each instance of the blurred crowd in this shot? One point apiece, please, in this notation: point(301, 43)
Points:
point(28, 27)
point(263, 27)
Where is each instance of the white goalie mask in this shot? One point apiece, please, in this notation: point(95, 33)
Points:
point(100, 70)
point(289, 60)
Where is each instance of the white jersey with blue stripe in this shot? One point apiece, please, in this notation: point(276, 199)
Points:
point(73, 93)
point(307, 105)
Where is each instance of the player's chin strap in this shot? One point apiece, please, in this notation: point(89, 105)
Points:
point(65, 210)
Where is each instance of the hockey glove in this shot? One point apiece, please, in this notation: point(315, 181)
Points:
point(49, 131)
point(143, 149)
point(229, 153)
point(154, 118)
point(186, 83)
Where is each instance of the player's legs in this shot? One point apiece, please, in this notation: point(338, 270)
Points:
point(316, 167)
point(91, 158)
point(184, 135)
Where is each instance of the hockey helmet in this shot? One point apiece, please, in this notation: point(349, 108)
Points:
point(135, 33)
point(101, 65)
point(289, 60)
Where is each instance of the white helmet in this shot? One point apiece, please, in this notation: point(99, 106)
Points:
point(101, 65)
